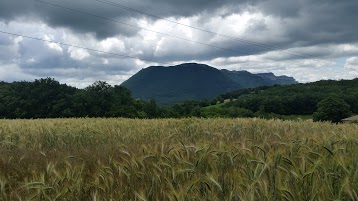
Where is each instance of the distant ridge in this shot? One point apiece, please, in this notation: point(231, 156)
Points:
point(280, 80)
point(246, 79)
point(192, 81)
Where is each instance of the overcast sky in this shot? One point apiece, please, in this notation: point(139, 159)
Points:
point(307, 39)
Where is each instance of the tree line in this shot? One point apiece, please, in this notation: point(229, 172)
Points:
point(299, 99)
point(47, 98)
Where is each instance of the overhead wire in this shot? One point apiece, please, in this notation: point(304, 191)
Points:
point(261, 45)
point(139, 27)
point(243, 53)
point(81, 47)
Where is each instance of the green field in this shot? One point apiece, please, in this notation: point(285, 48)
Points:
point(177, 159)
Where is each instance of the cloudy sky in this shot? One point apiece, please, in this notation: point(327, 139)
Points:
point(307, 39)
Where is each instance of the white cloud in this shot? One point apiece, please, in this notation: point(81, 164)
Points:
point(112, 44)
point(81, 67)
point(352, 64)
point(12, 72)
point(18, 39)
point(53, 46)
point(31, 60)
point(78, 54)
point(105, 61)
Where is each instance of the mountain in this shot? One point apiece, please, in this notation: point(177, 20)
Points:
point(249, 80)
point(280, 80)
point(246, 79)
point(169, 85)
point(191, 81)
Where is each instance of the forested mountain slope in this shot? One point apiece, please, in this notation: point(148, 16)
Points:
point(191, 81)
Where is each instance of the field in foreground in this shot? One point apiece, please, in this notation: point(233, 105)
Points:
point(188, 159)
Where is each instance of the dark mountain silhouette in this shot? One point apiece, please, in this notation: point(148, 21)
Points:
point(280, 80)
point(246, 79)
point(191, 81)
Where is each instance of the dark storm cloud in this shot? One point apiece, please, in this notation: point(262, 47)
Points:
point(29, 10)
point(315, 22)
point(306, 22)
point(82, 23)
point(315, 28)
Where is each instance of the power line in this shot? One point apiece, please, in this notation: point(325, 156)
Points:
point(262, 45)
point(157, 32)
point(143, 28)
point(81, 47)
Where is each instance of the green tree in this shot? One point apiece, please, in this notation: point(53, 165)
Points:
point(122, 104)
point(221, 100)
point(214, 101)
point(332, 109)
point(99, 97)
point(148, 109)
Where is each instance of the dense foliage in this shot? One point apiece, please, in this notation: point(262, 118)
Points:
point(299, 99)
point(47, 98)
point(331, 109)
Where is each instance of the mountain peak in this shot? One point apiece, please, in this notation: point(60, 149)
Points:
point(189, 81)
point(194, 66)
point(281, 80)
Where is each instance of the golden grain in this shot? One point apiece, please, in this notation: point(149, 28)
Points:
point(177, 159)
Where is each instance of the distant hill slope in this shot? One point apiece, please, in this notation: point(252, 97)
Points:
point(169, 85)
point(191, 81)
point(249, 80)
point(299, 99)
point(246, 79)
point(280, 80)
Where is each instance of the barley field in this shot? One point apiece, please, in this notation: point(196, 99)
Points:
point(177, 159)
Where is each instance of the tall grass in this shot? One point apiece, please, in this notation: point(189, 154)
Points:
point(188, 159)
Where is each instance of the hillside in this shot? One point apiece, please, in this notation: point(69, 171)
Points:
point(298, 99)
point(191, 81)
point(168, 85)
point(47, 98)
point(246, 79)
point(280, 80)
point(250, 80)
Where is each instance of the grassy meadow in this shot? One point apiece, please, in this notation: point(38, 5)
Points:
point(177, 159)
